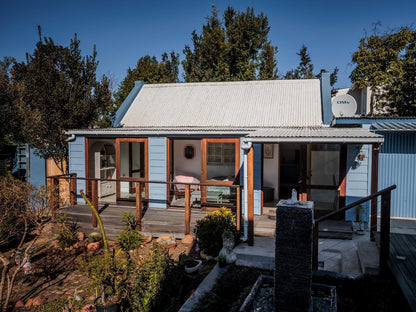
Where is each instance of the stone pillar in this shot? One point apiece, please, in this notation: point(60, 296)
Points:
point(293, 262)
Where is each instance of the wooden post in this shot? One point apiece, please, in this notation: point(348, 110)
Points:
point(54, 198)
point(187, 209)
point(385, 232)
point(94, 200)
point(238, 208)
point(374, 187)
point(139, 206)
point(250, 192)
point(315, 246)
point(73, 189)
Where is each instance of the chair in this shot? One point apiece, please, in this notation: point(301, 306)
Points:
point(180, 188)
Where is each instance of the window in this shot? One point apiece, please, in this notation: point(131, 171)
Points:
point(220, 153)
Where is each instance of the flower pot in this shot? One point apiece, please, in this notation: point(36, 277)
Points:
point(192, 267)
point(114, 307)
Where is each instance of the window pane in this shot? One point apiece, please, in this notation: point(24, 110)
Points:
point(220, 161)
point(325, 162)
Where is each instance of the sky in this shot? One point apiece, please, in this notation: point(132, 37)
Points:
point(124, 31)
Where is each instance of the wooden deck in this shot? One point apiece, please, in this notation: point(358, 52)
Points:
point(155, 221)
point(402, 263)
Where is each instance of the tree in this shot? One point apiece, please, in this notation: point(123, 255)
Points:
point(149, 70)
point(6, 100)
point(232, 50)
point(386, 64)
point(305, 67)
point(56, 89)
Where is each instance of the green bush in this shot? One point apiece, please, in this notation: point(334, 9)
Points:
point(210, 228)
point(68, 230)
point(129, 240)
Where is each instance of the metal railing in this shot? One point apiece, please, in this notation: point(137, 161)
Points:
point(140, 184)
point(384, 226)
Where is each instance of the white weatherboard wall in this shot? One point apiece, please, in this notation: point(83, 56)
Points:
point(157, 171)
point(77, 163)
point(358, 177)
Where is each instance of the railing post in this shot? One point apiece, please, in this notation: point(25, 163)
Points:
point(385, 232)
point(238, 208)
point(374, 187)
point(73, 189)
point(139, 209)
point(187, 209)
point(315, 245)
point(54, 198)
point(94, 200)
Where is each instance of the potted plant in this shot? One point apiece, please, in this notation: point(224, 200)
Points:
point(359, 220)
point(192, 265)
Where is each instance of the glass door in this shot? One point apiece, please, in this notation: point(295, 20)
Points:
point(131, 159)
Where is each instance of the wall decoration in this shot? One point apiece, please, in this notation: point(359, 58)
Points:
point(268, 150)
point(189, 151)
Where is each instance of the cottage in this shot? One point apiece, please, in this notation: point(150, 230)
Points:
point(268, 136)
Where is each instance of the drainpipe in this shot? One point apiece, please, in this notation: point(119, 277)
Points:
point(246, 147)
point(71, 138)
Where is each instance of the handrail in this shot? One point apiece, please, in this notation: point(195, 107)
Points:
point(384, 226)
point(68, 176)
point(356, 203)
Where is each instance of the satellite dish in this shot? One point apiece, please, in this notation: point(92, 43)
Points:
point(344, 105)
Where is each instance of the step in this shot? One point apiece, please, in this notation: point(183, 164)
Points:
point(350, 263)
point(368, 255)
point(261, 255)
point(335, 229)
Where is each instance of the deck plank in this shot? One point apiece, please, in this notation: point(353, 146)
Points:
point(404, 245)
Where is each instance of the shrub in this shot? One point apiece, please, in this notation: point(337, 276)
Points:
point(147, 279)
point(129, 240)
point(210, 228)
point(68, 230)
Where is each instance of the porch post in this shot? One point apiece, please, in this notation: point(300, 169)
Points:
point(374, 188)
point(250, 192)
point(139, 206)
point(187, 209)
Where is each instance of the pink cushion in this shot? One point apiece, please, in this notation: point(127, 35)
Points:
point(185, 179)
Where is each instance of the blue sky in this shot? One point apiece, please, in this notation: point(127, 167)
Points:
point(123, 31)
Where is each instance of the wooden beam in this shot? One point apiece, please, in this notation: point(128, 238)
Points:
point(374, 187)
point(73, 189)
point(250, 192)
point(94, 200)
point(187, 209)
point(139, 206)
point(342, 176)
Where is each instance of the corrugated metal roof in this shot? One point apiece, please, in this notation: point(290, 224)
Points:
point(394, 126)
point(315, 135)
point(273, 103)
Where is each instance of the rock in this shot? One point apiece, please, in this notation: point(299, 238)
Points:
point(81, 236)
point(163, 238)
point(188, 241)
point(147, 239)
point(167, 241)
point(94, 246)
point(29, 303)
point(19, 304)
point(39, 300)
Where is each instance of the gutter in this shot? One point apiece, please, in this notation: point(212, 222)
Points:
point(71, 137)
point(246, 147)
point(316, 140)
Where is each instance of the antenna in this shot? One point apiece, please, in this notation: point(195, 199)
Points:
point(344, 105)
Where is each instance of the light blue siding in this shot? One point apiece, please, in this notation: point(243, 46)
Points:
point(157, 171)
point(77, 163)
point(397, 165)
point(37, 169)
point(358, 175)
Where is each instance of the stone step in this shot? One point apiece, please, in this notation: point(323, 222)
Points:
point(335, 229)
point(368, 255)
point(261, 255)
point(350, 263)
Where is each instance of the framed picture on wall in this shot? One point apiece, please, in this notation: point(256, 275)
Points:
point(268, 150)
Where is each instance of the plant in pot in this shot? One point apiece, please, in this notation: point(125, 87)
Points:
point(222, 261)
point(359, 225)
